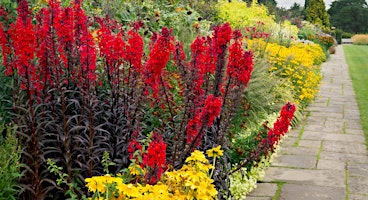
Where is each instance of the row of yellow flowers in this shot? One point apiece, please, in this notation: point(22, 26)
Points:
point(192, 181)
point(299, 64)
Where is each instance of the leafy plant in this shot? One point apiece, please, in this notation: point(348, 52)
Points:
point(62, 179)
point(240, 15)
point(10, 167)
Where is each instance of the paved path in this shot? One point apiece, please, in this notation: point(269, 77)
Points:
point(325, 157)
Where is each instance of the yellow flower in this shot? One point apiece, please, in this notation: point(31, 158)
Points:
point(215, 152)
point(129, 190)
point(196, 156)
point(135, 169)
point(160, 190)
point(96, 184)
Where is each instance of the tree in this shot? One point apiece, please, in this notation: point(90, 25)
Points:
point(316, 13)
point(349, 15)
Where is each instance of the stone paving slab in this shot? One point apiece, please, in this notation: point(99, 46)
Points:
point(310, 143)
point(358, 169)
point(259, 198)
point(291, 150)
point(297, 161)
point(358, 185)
point(264, 190)
point(343, 157)
point(331, 178)
point(356, 197)
point(331, 164)
point(309, 192)
point(344, 147)
point(318, 136)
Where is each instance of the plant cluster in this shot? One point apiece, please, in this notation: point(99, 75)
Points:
point(192, 181)
point(113, 98)
point(360, 39)
point(76, 96)
point(10, 168)
point(257, 154)
point(240, 15)
point(298, 63)
point(326, 41)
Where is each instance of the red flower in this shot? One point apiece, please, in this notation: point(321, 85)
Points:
point(204, 118)
point(212, 109)
point(158, 58)
point(112, 48)
point(155, 158)
point(240, 64)
point(134, 51)
point(281, 126)
point(222, 35)
point(5, 51)
point(23, 42)
point(63, 27)
point(133, 146)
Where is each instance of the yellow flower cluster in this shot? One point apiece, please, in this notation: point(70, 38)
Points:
point(240, 15)
point(299, 64)
point(192, 181)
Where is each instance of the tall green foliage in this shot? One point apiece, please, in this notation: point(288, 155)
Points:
point(9, 163)
point(316, 13)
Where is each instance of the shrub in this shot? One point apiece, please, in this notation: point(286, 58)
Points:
point(326, 41)
point(338, 35)
point(360, 39)
point(299, 64)
point(10, 167)
point(347, 35)
point(284, 33)
point(306, 30)
point(240, 15)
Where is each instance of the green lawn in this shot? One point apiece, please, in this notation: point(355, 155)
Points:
point(357, 59)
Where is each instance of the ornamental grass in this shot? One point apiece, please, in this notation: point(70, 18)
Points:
point(360, 39)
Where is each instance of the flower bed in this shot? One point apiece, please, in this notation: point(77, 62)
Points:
point(99, 104)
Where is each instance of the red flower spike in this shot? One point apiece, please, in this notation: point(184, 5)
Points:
point(155, 158)
point(212, 109)
point(85, 48)
point(5, 51)
point(64, 35)
point(204, 118)
point(23, 41)
point(223, 36)
point(179, 56)
point(158, 58)
point(240, 64)
point(134, 50)
point(281, 126)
